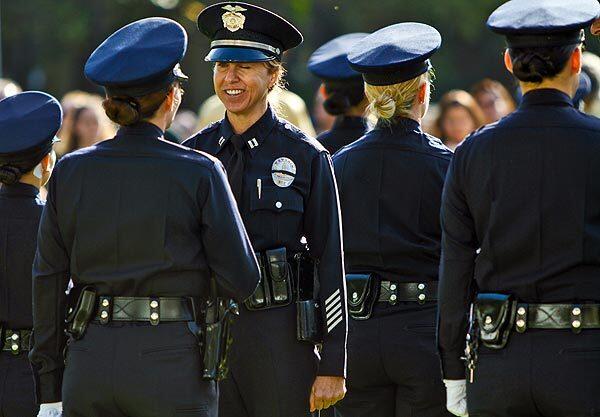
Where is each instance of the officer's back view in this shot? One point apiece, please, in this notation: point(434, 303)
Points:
point(28, 125)
point(525, 191)
point(139, 225)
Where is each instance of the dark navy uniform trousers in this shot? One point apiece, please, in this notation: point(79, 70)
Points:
point(16, 380)
point(540, 373)
point(137, 370)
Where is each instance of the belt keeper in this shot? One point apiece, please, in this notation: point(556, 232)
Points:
point(521, 320)
point(576, 319)
point(393, 293)
point(154, 311)
point(421, 297)
point(105, 309)
point(14, 340)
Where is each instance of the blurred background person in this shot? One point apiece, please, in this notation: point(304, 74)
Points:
point(286, 104)
point(85, 122)
point(493, 98)
point(184, 125)
point(343, 90)
point(322, 120)
point(459, 115)
point(583, 91)
point(8, 88)
point(591, 67)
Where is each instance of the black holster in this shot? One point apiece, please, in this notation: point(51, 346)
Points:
point(309, 317)
point(82, 313)
point(217, 339)
point(275, 286)
point(495, 315)
point(362, 295)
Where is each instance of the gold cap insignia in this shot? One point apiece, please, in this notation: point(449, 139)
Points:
point(233, 20)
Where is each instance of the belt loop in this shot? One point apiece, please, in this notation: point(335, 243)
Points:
point(576, 319)
point(13, 338)
point(154, 311)
point(521, 321)
point(421, 297)
point(105, 309)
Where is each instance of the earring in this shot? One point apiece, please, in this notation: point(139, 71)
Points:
point(37, 171)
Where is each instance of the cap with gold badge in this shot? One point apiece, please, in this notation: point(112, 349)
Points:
point(242, 32)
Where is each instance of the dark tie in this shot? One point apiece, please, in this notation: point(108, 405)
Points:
point(235, 166)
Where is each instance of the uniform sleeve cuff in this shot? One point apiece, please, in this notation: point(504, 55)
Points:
point(48, 387)
point(333, 362)
point(453, 367)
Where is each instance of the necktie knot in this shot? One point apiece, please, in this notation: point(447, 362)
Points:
point(238, 142)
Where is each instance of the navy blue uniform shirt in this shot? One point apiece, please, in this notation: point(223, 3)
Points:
point(526, 191)
point(280, 216)
point(20, 211)
point(390, 183)
point(345, 130)
point(133, 216)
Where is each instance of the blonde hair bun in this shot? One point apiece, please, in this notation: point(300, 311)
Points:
point(384, 106)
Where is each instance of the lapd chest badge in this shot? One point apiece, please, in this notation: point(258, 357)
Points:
point(233, 19)
point(283, 172)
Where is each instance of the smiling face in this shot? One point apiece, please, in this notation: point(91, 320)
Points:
point(243, 87)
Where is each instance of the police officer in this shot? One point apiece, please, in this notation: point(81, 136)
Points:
point(520, 219)
point(343, 90)
point(28, 125)
point(139, 225)
point(390, 183)
point(284, 185)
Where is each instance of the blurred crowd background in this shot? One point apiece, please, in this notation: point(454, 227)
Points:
point(45, 43)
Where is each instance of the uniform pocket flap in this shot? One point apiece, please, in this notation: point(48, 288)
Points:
point(277, 199)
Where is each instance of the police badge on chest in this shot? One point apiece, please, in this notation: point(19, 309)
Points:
point(283, 172)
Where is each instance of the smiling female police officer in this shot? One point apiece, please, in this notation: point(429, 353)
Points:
point(139, 225)
point(285, 189)
point(28, 125)
point(390, 183)
point(343, 89)
point(526, 192)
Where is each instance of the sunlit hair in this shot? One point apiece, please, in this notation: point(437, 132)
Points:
point(390, 102)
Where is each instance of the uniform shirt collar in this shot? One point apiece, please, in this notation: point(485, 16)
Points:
point(402, 124)
point(19, 189)
point(546, 96)
point(146, 129)
point(348, 122)
point(254, 136)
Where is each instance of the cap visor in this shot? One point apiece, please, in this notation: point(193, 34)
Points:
point(237, 55)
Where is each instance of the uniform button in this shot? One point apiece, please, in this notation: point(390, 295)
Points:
point(15, 347)
point(105, 302)
point(576, 311)
point(104, 314)
point(15, 336)
point(576, 324)
point(421, 286)
point(488, 320)
point(393, 287)
point(393, 297)
point(521, 311)
point(354, 295)
point(520, 323)
point(278, 204)
point(421, 297)
point(154, 304)
point(154, 316)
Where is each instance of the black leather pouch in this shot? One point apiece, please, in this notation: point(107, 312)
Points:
point(362, 295)
point(495, 314)
point(279, 271)
point(261, 298)
point(309, 326)
point(82, 314)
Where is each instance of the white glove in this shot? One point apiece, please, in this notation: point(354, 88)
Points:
point(50, 410)
point(456, 397)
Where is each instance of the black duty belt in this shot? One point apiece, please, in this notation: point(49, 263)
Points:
point(151, 309)
point(557, 316)
point(16, 341)
point(394, 292)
